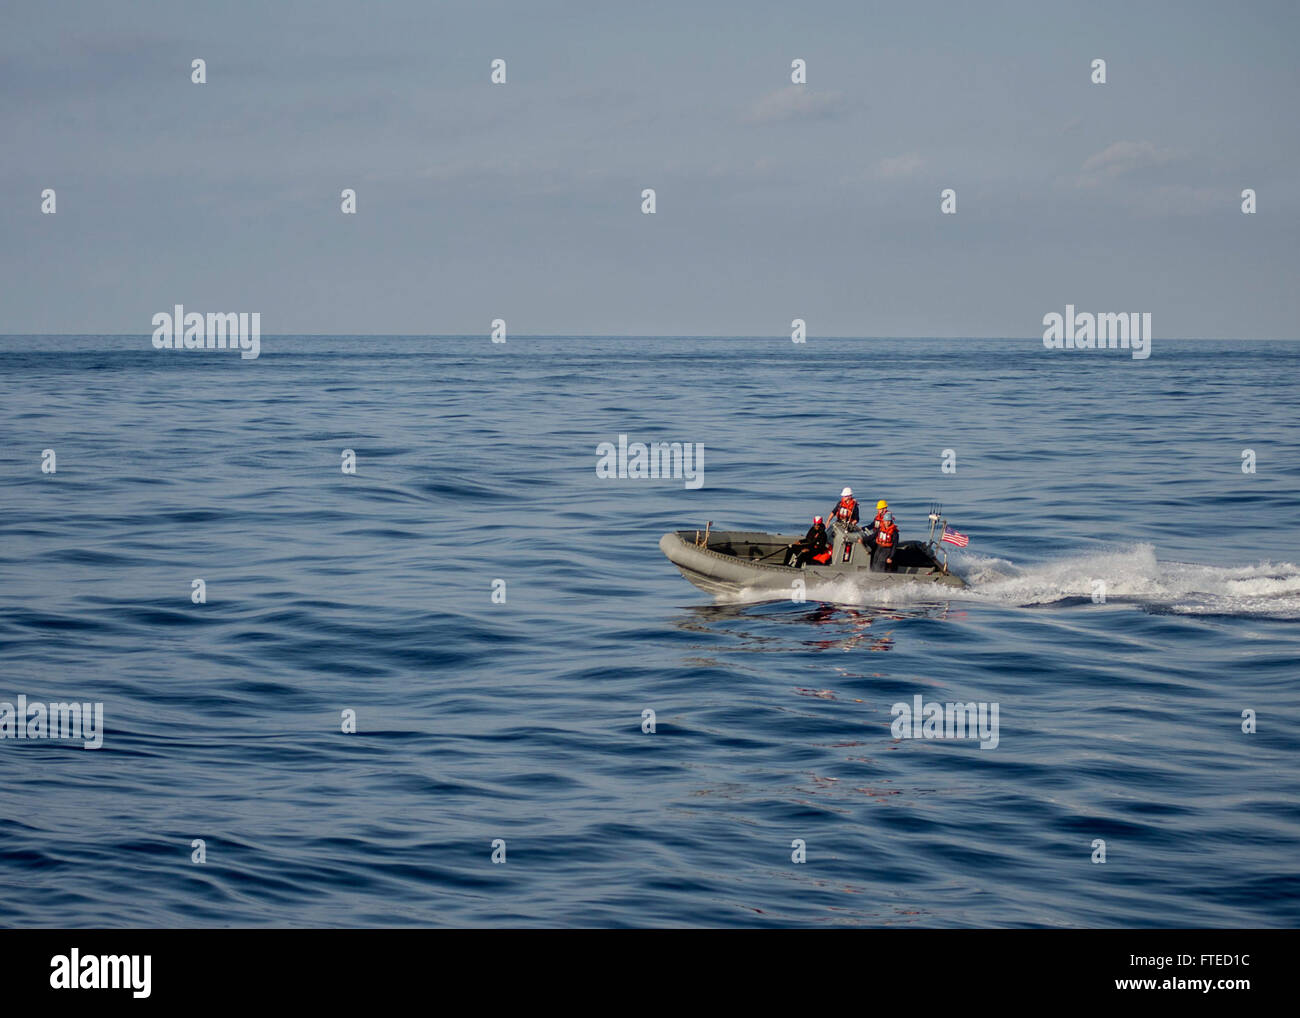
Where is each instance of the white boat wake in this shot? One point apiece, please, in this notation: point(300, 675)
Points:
point(1130, 575)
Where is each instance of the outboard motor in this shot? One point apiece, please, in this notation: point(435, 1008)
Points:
point(844, 541)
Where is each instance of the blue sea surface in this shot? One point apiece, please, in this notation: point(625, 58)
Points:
point(1077, 472)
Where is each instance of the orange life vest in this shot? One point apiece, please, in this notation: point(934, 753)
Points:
point(845, 509)
point(885, 536)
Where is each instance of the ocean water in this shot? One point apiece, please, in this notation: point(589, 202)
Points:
point(1120, 721)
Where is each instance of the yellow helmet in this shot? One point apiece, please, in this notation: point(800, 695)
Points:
point(882, 504)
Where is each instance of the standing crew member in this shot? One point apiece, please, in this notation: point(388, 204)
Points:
point(882, 559)
point(870, 536)
point(846, 509)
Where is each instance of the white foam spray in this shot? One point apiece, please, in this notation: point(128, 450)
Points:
point(1131, 575)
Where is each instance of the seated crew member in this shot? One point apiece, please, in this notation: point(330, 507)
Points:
point(814, 543)
point(846, 509)
point(882, 559)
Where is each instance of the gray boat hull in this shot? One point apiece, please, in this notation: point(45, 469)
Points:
point(736, 560)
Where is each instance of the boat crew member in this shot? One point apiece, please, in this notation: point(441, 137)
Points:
point(869, 538)
point(882, 559)
point(813, 547)
point(846, 510)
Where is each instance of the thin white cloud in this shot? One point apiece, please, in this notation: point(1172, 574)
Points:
point(899, 167)
point(1121, 159)
point(796, 102)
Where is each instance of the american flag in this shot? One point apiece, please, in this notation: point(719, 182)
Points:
point(951, 536)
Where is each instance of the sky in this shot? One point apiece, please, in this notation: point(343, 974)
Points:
point(774, 201)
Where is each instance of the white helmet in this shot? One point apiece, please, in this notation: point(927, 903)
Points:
point(846, 493)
